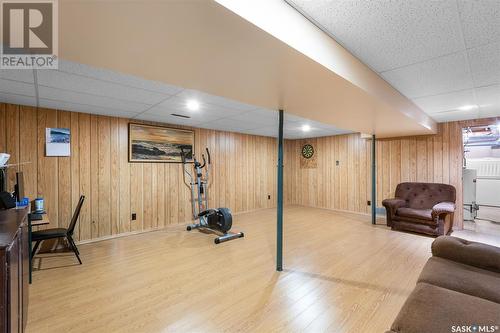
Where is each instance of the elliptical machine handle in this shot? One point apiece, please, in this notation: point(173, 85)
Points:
point(208, 155)
point(204, 161)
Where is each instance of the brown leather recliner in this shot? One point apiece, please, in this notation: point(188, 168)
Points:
point(422, 207)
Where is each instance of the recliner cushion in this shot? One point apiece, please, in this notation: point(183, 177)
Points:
point(423, 214)
point(462, 278)
point(432, 309)
point(48, 233)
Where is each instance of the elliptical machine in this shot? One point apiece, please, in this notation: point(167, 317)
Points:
point(217, 220)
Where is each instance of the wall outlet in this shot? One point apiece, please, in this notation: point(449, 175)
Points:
point(134, 216)
point(369, 203)
point(337, 162)
point(268, 197)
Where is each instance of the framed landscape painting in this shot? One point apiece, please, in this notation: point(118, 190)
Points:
point(149, 143)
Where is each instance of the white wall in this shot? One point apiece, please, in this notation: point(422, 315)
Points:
point(488, 179)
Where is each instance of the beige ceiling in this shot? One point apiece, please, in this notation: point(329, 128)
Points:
point(202, 45)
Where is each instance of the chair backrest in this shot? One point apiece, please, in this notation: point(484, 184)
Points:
point(74, 219)
point(425, 195)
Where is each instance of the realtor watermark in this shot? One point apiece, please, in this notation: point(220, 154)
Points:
point(29, 34)
point(474, 328)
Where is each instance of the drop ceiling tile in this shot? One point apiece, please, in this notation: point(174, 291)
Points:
point(81, 84)
point(455, 115)
point(336, 132)
point(116, 77)
point(232, 124)
point(23, 75)
point(489, 112)
point(90, 100)
point(485, 64)
point(174, 102)
point(433, 77)
point(161, 110)
point(168, 119)
point(179, 103)
point(293, 118)
point(480, 21)
point(322, 133)
point(489, 101)
point(17, 87)
point(390, 34)
point(295, 126)
point(197, 116)
point(205, 98)
point(17, 99)
point(446, 102)
point(258, 118)
point(61, 105)
point(258, 115)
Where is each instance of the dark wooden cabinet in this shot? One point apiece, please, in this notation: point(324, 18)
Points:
point(14, 270)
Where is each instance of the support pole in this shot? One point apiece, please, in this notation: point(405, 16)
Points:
point(374, 182)
point(279, 222)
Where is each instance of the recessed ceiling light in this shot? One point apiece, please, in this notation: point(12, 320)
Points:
point(468, 107)
point(193, 105)
point(306, 128)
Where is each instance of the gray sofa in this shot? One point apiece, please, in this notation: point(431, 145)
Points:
point(458, 289)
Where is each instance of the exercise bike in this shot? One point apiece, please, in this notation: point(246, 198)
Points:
point(217, 220)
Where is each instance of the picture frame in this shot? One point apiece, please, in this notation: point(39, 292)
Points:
point(159, 144)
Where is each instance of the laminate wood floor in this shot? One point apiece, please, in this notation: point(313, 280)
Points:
point(341, 275)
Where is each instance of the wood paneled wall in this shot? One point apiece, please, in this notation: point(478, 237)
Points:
point(431, 158)
point(244, 170)
point(243, 173)
point(345, 186)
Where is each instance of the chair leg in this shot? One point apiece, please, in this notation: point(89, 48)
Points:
point(74, 245)
point(74, 248)
point(32, 254)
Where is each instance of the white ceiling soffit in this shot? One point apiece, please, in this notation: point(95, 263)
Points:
point(82, 88)
point(443, 55)
point(204, 46)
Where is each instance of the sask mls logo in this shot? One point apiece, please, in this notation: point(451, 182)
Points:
point(29, 34)
point(474, 328)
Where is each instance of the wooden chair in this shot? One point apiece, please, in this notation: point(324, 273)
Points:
point(41, 235)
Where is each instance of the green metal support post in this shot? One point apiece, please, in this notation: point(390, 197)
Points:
point(374, 181)
point(279, 224)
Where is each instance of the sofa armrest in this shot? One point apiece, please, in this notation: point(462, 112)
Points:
point(469, 253)
point(443, 208)
point(393, 204)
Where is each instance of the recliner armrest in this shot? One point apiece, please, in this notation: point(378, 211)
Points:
point(443, 208)
point(394, 203)
point(469, 253)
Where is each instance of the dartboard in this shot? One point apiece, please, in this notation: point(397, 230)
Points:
point(307, 151)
